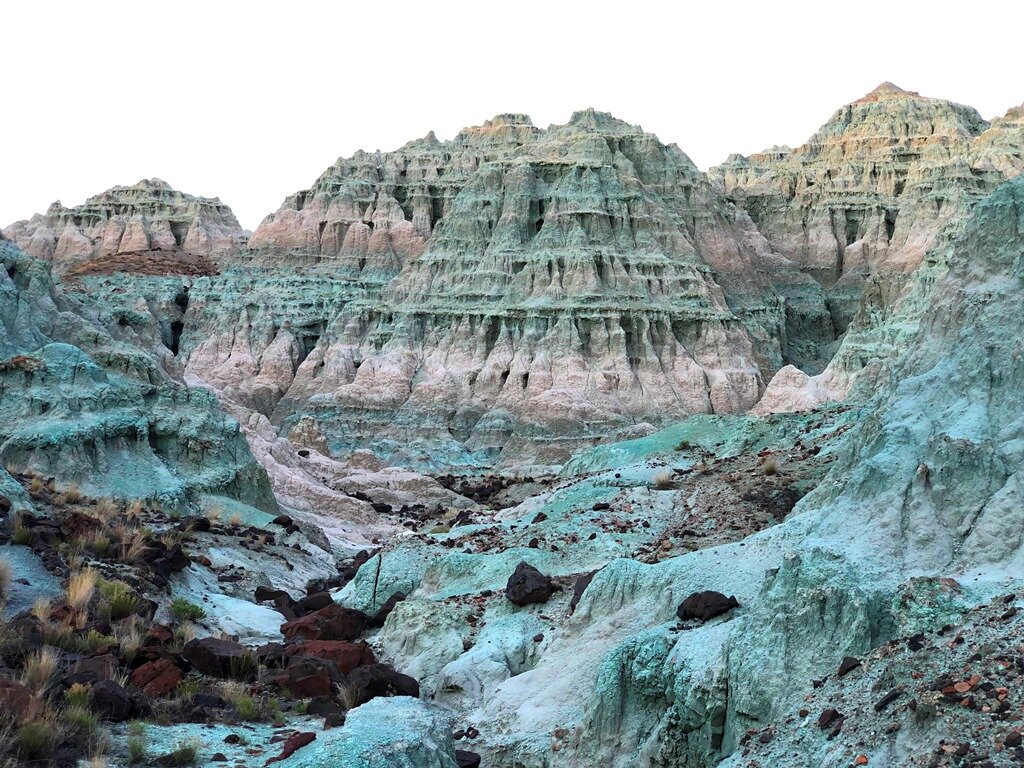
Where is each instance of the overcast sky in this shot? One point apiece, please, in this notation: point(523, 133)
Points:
point(252, 101)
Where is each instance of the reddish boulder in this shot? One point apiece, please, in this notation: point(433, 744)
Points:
point(334, 622)
point(345, 656)
point(308, 677)
point(294, 742)
point(19, 701)
point(157, 678)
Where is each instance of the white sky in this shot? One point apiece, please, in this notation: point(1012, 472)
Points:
point(250, 101)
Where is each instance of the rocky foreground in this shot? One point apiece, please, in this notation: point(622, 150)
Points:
point(532, 448)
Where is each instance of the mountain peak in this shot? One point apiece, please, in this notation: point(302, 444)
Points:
point(887, 91)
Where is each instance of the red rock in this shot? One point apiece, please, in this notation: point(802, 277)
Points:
point(305, 677)
point(18, 700)
point(334, 622)
point(159, 634)
point(293, 743)
point(157, 678)
point(346, 656)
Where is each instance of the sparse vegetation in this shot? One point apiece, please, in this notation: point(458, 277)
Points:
point(35, 740)
point(117, 600)
point(770, 466)
point(41, 609)
point(129, 637)
point(187, 688)
point(80, 720)
point(40, 667)
point(235, 521)
point(81, 588)
point(664, 480)
point(77, 695)
point(133, 546)
point(6, 576)
point(185, 753)
point(137, 742)
point(185, 611)
point(22, 535)
point(72, 495)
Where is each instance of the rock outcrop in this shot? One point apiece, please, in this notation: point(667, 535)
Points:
point(561, 283)
point(86, 403)
point(147, 228)
point(869, 207)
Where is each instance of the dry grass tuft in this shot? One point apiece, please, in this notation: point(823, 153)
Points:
point(770, 467)
point(40, 667)
point(133, 547)
point(82, 587)
point(236, 520)
point(664, 480)
point(72, 495)
point(41, 609)
point(106, 510)
point(6, 576)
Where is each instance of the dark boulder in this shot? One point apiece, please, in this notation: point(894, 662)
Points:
point(374, 680)
point(466, 759)
point(263, 594)
point(305, 677)
point(220, 658)
point(382, 613)
point(316, 602)
point(579, 588)
point(705, 605)
point(528, 585)
point(112, 702)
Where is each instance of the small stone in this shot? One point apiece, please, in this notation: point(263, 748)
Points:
point(847, 665)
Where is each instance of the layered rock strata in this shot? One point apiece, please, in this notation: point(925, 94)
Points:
point(869, 207)
point(146, 228)
point(566, 282)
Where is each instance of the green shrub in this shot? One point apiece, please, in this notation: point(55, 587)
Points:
point(184, 754)
point(22, 535)
point(118, 600)
point(137, 742)
point(77, 695)
point(182, 610)
point(35, 740)
point(80, 719)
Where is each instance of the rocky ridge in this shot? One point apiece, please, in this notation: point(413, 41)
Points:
point(146, 228)
point(668, 600)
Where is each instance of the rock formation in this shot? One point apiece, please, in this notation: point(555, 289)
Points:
point(147, 228)
point(510, 285)
point(868, 207)
point(685, 597)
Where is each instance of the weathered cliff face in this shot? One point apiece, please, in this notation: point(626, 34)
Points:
point(917, 521)
point(146, 228)
point(91, 403)
point(869, 208)
point(562, 283)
